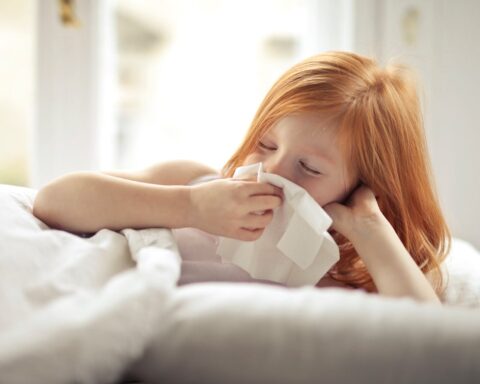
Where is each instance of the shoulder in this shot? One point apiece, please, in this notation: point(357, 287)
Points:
point(178, 172)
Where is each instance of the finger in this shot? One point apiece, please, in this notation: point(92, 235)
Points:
point(338, 212)
point(259, 221)
point(264, 202)
point(364, 191)
point(248, 188)
point(363, 196)
point(266, 189)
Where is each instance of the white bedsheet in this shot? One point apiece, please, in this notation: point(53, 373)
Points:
point(77, 309)
point(84, 310)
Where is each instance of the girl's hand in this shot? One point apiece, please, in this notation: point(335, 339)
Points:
point(233, 208)
point(390, 265)
point(359, 217)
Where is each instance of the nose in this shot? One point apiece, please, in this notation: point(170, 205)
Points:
point(277, 164)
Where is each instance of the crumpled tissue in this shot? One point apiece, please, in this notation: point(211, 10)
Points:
point(295, 249)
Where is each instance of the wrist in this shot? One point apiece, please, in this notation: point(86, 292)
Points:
point(178, 210)
point(370, 230)
point(371, 250)
point(376, 242)
point(191, 213)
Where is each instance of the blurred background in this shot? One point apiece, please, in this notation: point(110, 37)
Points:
point(121, 84)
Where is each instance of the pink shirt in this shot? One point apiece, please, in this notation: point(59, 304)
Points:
point(200, 263)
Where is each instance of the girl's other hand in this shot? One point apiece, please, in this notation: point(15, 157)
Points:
point(234, 208)
point(359, 217)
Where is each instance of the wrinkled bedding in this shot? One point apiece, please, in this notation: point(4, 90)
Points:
point(92, 310)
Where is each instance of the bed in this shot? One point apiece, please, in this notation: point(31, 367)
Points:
point(107, 309)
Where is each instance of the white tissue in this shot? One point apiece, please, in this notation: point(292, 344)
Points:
point(295, 248)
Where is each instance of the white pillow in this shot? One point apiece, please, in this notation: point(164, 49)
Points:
point(239, 333)
point(462, 267)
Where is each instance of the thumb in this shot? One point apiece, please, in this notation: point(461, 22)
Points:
point(339, 214)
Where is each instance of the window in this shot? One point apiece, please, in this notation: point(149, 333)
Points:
point(192, 73)
point(185, 77)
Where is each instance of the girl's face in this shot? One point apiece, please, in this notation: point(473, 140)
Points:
point(304, 149)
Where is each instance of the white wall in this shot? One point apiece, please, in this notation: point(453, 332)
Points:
point(454, 123)
point(438, 38)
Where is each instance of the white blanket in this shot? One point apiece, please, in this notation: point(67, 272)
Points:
point(84, 310)
point(77, 309)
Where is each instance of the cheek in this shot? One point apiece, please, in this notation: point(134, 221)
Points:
point(327, 191)
point(316, 188)
point(341, 191)
point(322, 198)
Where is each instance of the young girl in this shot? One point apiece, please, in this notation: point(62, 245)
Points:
point(338, 125)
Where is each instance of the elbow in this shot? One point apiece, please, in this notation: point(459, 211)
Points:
point(54, 204)
point(45, 207)
point(66, 204)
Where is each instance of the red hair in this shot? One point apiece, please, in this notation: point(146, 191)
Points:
point(381, 132)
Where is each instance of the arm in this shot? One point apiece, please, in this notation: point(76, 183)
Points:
point(155, 197)
point(89, 201)
point(392, 268)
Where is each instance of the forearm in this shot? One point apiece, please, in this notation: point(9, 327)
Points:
point(393, 270)
point(87, 202)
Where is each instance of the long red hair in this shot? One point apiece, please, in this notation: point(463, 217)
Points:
point(381, 131)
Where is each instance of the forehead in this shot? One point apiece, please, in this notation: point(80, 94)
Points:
point(310, 133)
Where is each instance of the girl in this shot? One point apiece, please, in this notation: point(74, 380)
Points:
point(338, 125)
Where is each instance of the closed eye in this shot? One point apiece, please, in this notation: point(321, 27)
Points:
point(266, 147)
point(309, 169)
